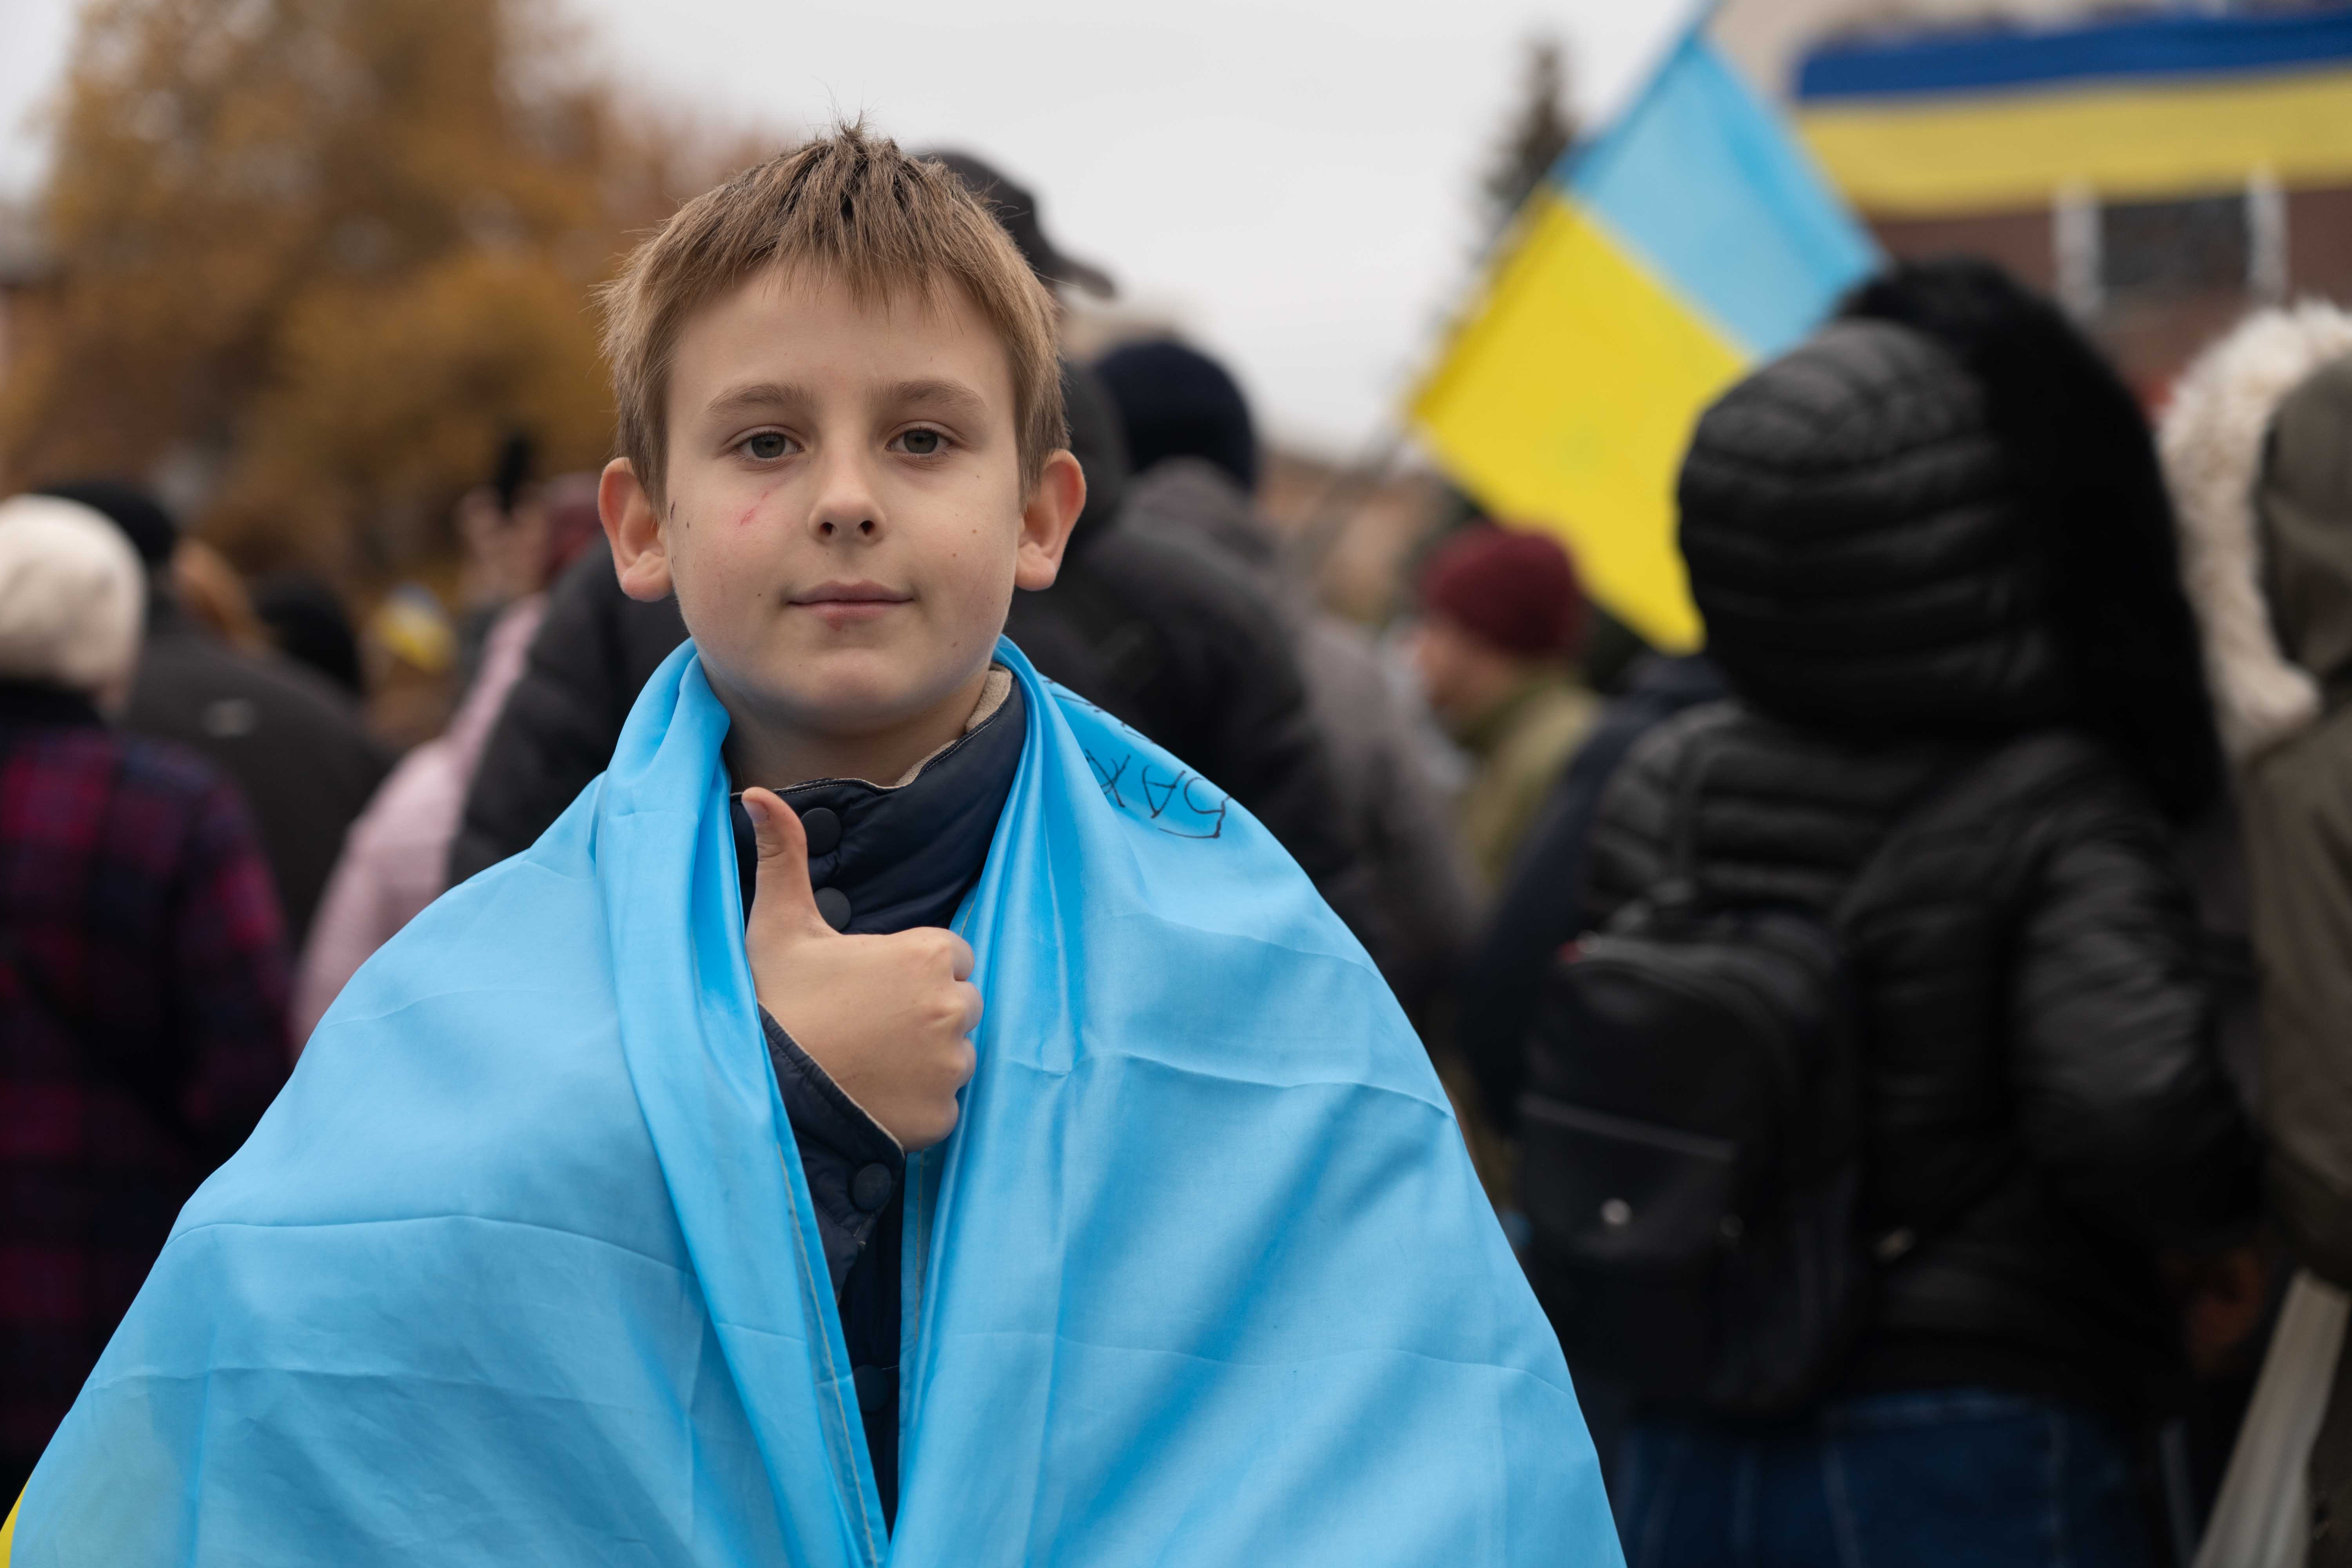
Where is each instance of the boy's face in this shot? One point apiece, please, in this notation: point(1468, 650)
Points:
point(844, 520)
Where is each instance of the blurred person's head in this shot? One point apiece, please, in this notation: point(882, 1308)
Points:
point(1015, 206)
point(1942, 515)
point(308, 623)
point(73, 599)
point(502, 543)
point(1499, 607)
point(130, 508)
point(213, 596)
point(841, 413)
point(1176, 402)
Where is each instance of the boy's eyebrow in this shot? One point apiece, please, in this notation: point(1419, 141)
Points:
point(758, 394)
point(961, 400)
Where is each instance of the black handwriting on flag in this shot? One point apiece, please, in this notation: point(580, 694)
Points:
point(1177, 801)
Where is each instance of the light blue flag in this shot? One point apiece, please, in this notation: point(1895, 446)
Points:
point(521, 1268)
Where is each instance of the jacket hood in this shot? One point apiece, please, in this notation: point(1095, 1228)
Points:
point(2085, 464)
point(2214, 439)
point(2305, 509)
point(1943, 515)
point(1858, 547)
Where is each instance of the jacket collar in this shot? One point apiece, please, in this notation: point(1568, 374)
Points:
point(1482, 735)
point(37, 703)
point(888, 857)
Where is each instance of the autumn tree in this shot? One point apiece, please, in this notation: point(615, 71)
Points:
point(319, 256)
point(1541, 128)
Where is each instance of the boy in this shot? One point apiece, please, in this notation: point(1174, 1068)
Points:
point(542, 1257)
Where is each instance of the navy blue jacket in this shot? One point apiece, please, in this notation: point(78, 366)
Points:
point(881, 859)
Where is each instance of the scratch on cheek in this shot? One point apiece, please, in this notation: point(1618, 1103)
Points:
point(753, 510)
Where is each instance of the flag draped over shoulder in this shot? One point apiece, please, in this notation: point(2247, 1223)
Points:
point(1691, 240)
point(521, 1268)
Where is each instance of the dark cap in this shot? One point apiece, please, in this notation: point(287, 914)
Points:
point(139, 515)
point(1016, 208)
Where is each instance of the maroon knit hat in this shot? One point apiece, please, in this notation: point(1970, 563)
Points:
point(1516, 589)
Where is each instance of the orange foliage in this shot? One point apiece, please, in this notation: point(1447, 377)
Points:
point(316, 257)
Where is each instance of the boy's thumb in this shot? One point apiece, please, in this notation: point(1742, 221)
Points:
point(781, 894)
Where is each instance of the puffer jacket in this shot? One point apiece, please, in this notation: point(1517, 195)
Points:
point(2044, 1108)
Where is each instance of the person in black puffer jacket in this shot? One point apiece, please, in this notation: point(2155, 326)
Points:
point(1933, 555)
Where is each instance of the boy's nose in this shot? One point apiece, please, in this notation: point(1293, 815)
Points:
point(846, 506)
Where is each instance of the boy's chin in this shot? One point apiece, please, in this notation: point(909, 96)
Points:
point(848, 696)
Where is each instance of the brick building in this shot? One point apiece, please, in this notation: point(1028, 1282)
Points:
point(2160, 169)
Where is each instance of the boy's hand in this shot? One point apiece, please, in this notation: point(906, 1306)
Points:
point(887, 1017)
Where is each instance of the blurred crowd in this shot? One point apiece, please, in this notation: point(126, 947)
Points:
point(2004, 808)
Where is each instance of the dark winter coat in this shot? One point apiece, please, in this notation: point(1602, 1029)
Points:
point(2044, 1107)
point(1170, 639)
point(289, 738)
point(1383, 766)
point(1541, 908)
point(143, 1028)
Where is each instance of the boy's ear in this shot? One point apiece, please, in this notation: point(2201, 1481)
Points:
point(1054, 503)
point(634, 526)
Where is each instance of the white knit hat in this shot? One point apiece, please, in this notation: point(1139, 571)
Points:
point(72, 594)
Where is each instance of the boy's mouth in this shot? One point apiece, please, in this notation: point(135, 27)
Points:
point(840, 604)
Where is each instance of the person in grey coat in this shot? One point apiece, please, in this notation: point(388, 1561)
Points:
point(2257, 444)
point(1194, 448)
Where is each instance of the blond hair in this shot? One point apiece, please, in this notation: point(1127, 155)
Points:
point(72, 595)
point(852, 207)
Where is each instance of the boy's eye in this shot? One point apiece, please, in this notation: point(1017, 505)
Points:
point(767, 446)
point(921, 443)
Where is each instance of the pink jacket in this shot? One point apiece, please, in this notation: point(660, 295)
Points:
point(395, 857)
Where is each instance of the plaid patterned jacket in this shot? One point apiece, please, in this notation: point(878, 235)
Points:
point(143, 1030)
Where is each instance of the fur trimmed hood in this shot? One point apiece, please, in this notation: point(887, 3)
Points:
point(2212, 441)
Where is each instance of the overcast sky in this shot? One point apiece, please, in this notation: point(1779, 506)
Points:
point(1292, 180)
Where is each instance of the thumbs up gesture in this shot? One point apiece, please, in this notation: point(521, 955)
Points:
point(887, 1017)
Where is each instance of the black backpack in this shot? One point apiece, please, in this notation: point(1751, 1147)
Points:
point(1691, 1134)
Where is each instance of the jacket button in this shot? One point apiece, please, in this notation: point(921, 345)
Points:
point(834, 905)
point(824, 830)
point(877, 1387)
point(870, 1188)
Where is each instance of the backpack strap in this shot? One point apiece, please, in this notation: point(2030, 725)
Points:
point(1676, 892)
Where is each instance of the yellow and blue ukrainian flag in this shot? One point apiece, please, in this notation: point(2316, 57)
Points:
point(2138, 108)
point(1692, 238)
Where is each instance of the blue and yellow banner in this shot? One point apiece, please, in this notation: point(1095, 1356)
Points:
point(2138, 109)
point(1691, 240)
